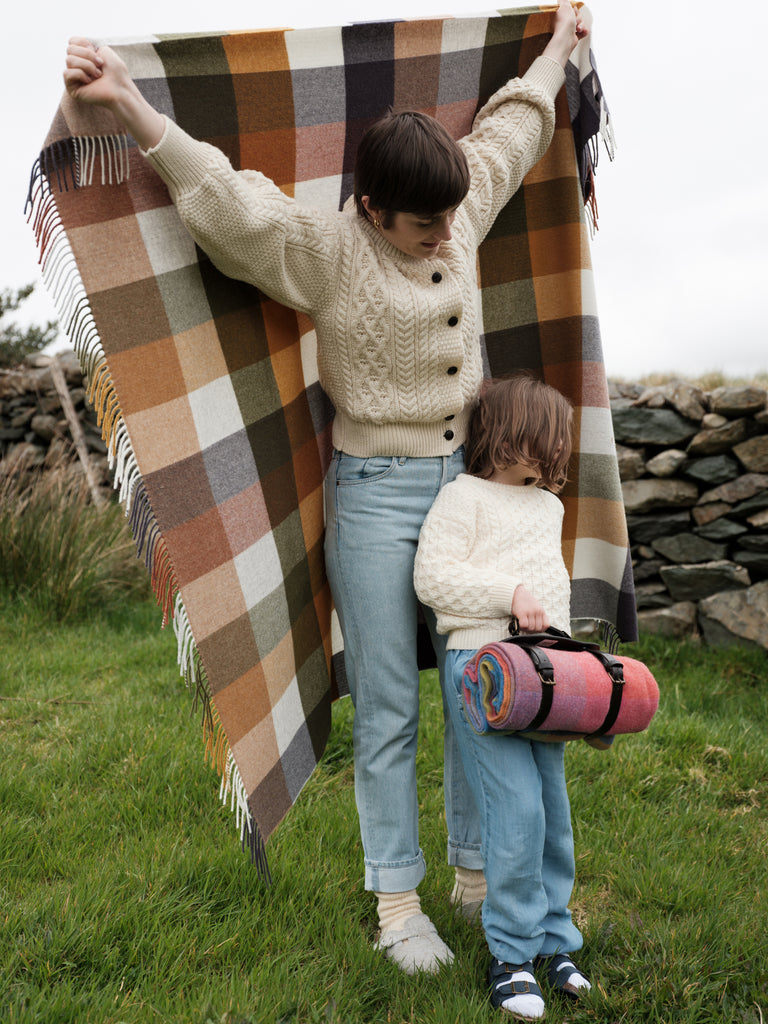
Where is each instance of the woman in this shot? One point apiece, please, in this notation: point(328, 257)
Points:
point(390, 284)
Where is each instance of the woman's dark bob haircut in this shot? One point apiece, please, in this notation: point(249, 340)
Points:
point(408, 163)
point(521, 419)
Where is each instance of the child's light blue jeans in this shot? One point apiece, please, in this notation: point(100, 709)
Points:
point(374, 511)
point(527, 838)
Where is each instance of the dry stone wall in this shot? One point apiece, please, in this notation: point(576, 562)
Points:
point(43, 413)
point(694, 471)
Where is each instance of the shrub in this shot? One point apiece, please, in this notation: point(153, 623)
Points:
point(59, 551)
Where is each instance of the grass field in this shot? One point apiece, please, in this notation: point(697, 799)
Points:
point(124, 895)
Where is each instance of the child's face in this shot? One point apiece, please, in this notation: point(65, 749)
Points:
point(517, 474)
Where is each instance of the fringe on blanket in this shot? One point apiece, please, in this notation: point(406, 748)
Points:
point(73, 164)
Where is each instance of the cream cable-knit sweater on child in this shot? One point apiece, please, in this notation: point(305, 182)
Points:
point(480, 540)
point(398, 336)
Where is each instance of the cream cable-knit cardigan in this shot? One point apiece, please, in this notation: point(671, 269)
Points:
point(480, 540)
point(398, 336)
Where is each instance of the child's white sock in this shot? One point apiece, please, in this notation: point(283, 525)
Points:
point(396, 907)
point(469, 887)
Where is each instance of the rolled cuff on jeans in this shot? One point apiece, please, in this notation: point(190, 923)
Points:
point(465, 855)
point(398, 877)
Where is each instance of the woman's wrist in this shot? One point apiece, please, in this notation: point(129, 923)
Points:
point(560, 47)
point(140, 118)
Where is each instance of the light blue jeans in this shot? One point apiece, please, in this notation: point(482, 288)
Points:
point(527, 838)
point(374, 511)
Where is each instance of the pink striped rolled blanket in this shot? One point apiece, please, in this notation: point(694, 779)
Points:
point(503, 692)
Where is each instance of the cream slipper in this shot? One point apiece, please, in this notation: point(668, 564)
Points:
point(415, 947)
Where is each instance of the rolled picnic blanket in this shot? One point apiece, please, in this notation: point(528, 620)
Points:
point(503, 692)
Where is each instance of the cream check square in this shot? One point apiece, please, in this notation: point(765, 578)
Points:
point(464, 33)
point(216, 412)
point(590, 552)
point(288, 716)
point(309, 357)
point(141, 56)
point(168, 243)
point(314, 48)
point(320, 192)
point(596, 436)
point(259, 570)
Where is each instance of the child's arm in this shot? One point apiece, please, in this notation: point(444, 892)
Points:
point(446, 575)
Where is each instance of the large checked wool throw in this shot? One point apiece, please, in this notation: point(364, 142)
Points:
point(218, 429)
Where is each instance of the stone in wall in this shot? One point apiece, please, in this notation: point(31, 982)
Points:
point(709, 513)
point(631, 462)
point(643, 529)
point(646, 494)
point(721, 528)
point(646, 568)
point(738, 490)
point(689, 547)
point(753, 454)
point(677, 620)
point(736, 618)
point(715, 440)
point(651, 426)
point(711, 470)
point(755, 562)
point(755, 542)
point(689, 400)
point(737, 400)
point(651, 595)
point(694, 582)
point(666, 463)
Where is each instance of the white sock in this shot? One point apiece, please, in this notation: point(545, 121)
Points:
point(396, 907)
point(526, 1004)
point(468, 886)
point(570, 974)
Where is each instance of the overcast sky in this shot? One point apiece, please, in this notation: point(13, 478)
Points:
point(681, 257)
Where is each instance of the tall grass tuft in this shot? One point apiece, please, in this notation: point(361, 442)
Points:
point(59, 552)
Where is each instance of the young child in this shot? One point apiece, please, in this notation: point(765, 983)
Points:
point(490, 550)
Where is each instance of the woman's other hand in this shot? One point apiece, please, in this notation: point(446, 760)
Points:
point(97, 75)
point(568, 28)
point(94, 74)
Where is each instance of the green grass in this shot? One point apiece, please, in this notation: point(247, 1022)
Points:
point(124, 895)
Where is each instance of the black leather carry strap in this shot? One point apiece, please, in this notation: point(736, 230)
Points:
point(546, 673)
point(534, 643)
point(554, 638)
point(615, 670)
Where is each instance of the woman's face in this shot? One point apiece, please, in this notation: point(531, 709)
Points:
point(415, 235)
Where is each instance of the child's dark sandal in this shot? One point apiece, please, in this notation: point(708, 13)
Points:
point(563, 975)
point(509, 980)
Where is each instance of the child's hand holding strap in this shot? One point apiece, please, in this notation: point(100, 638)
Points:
point(530, 615)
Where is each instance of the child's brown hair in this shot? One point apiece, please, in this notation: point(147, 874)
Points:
point(521, 419)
